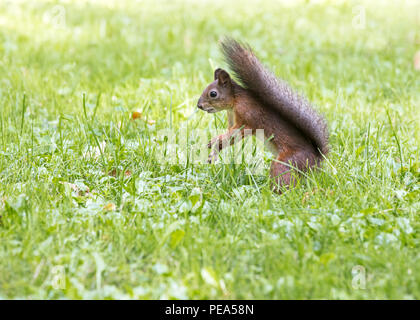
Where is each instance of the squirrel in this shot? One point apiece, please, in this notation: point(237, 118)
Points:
point(296, 132)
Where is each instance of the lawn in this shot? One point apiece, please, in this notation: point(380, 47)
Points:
point(89, 207)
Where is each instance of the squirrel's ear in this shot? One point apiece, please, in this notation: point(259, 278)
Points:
point(222, 76)
point(216, 73)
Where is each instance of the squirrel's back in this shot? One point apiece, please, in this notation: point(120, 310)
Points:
point(275, 93)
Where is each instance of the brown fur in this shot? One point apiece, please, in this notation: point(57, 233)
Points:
point(297, 147)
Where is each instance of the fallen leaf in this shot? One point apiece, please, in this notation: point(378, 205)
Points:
point(136, 115)
point(113, 173)
point(110, 207)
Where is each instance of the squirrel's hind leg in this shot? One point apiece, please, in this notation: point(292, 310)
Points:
point(281, 171)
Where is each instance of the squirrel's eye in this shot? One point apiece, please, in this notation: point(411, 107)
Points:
point(213, 94)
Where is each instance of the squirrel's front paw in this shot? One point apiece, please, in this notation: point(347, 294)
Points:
point(214, 142)
point(212, 157)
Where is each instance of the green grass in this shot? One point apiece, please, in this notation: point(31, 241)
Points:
point(197, 231)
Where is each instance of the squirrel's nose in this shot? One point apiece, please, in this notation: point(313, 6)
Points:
point(199, 106)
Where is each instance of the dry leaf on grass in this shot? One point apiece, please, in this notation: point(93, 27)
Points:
point(110, 207)
point(136, 115)
point(113, 173)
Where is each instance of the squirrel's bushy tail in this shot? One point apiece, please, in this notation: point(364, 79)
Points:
point(275, 93)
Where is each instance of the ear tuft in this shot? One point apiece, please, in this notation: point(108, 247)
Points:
point(221, 76)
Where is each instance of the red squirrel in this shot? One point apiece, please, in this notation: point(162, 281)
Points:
point(296, 132)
